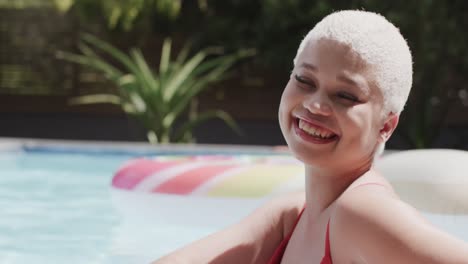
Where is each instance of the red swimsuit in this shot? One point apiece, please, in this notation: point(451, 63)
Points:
point(279, 252)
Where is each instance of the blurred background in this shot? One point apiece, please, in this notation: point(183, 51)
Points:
point(204, 71)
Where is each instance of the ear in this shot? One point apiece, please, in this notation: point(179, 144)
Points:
point(389, 126)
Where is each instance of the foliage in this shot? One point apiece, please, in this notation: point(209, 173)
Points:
point(157, 98)
point(435, 30)
point(437, 37)
point(20, 4)
point(120, 13)
point(123, 14)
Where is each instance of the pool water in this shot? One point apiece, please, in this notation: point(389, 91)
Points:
point(56, 208)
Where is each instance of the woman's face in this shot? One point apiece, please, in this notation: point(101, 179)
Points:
point(330, 110)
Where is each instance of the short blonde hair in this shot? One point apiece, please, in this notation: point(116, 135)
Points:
point(379, 43)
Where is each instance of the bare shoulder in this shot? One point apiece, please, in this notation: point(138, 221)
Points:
point(371, 224)
point(368, 197)
point(266, 227)
point(252, 240)
point(285, 210)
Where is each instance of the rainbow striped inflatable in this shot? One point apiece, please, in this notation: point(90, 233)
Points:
point(168, 188)
point(210, 176)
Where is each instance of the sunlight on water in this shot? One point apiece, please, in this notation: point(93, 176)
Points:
point(56, 208)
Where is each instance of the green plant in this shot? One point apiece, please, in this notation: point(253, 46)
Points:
point(157, 98)
point(120, 13)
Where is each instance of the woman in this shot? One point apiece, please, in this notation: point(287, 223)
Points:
point(351, 78)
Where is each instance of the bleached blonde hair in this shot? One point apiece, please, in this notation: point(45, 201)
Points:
point(379, 43)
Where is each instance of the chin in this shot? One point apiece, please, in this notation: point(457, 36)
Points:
point(309, 157)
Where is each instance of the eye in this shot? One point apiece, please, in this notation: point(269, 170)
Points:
point(304, 81)
point(348, 96)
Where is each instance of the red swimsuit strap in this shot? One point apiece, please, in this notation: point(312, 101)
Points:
point(327, 257)
point(279, 252)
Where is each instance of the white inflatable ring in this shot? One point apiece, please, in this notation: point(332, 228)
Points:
point(434, 181)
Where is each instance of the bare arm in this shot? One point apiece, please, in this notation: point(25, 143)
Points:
point(372, 227)
point(252, 240)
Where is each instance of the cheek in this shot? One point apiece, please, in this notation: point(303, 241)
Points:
point(286, 103)
point(283, 113)
point(362, 126)
point(290, 99)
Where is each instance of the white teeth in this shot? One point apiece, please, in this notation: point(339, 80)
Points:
point(313, 131)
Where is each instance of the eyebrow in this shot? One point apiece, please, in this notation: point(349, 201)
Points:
point(309, 66)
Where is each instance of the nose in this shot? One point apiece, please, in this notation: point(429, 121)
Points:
point(318, 104)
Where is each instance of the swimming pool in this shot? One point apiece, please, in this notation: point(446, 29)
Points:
point(56, 205)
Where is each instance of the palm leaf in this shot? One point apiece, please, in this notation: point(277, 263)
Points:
point(156, 99)
point(183, 54)
point(187, 92)
point(166, 67)
point(214, 70)
point(116, 54)
point(180, 76)
point(165, 56)
point(111, 72)
point(86, 50)
point(146, 74)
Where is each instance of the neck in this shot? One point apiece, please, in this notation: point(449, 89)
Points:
point(324, 186)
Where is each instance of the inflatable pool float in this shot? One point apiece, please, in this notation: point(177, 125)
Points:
point(216, 191)
point(435, 182)
point(210, 190)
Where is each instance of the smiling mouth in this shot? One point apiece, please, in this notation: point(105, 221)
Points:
point(316, 132)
